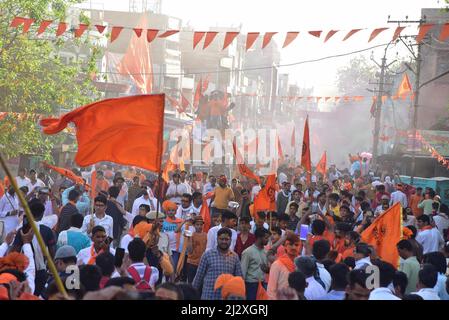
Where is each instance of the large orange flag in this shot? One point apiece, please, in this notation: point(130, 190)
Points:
point(384, 233)
point(136, 62)
point(243, 169)
point(265, 199)
point(93, 182)
point(321, 166)
point(306, 161)
point(67, 173)
point(405, 86)
point(280, 152)
point(124, 130)
point(205, 211)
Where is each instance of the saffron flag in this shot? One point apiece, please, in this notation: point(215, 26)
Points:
point(205, 211)
point(265, 199)
point(321, 166)
point(280, 152)
point(127, 130)
point(384, 233)
point(169, 167)
point(136, 62)
point(198, 94)
point(243, 169)
point(67, 173)
point(261, 293)
point(306, 161)
point(405, 87)
point(93, 183)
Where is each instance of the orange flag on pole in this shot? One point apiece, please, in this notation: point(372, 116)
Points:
point(265, 199)
point(205, 211)
point(243, 169)
point(261, 293)
point(67, 173)
point(280, 152)
point(198, 94)
point(306, 161)
point(321, 166)
point(93, 183)
point(384, 233)
point(405, 86)
point(125, 130)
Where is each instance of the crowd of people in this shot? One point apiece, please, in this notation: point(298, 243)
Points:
point(135, 237)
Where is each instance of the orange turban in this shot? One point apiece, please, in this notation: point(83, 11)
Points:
point(142, 228)
point(230, 285)
point(407, 233)
point(7, 278)
point(169, 205)
point(14, 260)
point(4, 295)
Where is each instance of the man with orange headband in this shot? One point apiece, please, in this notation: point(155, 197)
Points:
point(169, 227)
point(232, 288)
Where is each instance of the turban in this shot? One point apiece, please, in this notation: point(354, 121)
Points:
point(169, 205)
point(14, 260)
point(142, 228)
point(230, 285)
point(406, 233)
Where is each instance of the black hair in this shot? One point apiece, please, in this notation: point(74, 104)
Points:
point(350, 262)
point(339, 273)
point(188, 196)
point(318, 227)
point(118, 178)
point(413, 230)
point(424, 218)
point(245, 219)
point(363, 248)
point(435, 205)
point(145, 206)
point(284, 217)
point(277, 230)
point(404, 245)
point(137, 220)
point(261, 214)
point(114, 191)
point(36, 208)
point(297, 281)
point(53, 289)
point(386, 272)
point(320, 249)
point(412, 297)
point(224, 231)
point(197, 194)
point(77, 220)
point(188, 291)
point(69, 260)
point(294, 204)
point(90, 277)
point(400, 279)
point(428, 275)
point(120, 282)
point(136, 249)
point(365, 206)
point(357, 276)
point(73, 195)
point(306, 265)
point(98, 229)
point(342, 226)
point(101, 198)
point(21, 276)
point(345, 207)
point(171, 287)
point(243, 191)
point(228, 215)
point(105, 261)
point(334, 196)
point(436, 259)
point(354, 236)
point(260, 233)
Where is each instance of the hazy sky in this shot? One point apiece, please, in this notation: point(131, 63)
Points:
point(300, 15)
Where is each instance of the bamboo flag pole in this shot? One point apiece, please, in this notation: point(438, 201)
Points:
point(33, 224)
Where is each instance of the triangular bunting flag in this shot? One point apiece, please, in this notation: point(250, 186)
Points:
point(267, 38)
point(100, 28)
point(115, 33)
point(351, 33)
point(138, 32)
point(375, 33)
point(197, 37)
point(62, 27)
point(289, 38)
point(315, 33)
point(230, 36)
point(168, 33)
point(151, 34)
point(251, 37)
point(330, 34)
point(423, 30)
point(397, 33)
point(210, 36)
point(81, 28)
point(44, 25)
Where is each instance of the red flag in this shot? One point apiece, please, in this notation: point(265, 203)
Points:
point(198, 94)
point(168, 33)
point(315, 33)
point(100, 28)
point(375, 33)
point(384, 233)
point(405, 86)
point(250, 39)
point(243, 169)
point(444, 33)
point(210, 36)
point(136, 62)
point(265, 199)
point(115, 33)
point(351, 33)
point(184, 102)
point(306, 161)
point(43, 26)
point(197, 37)
point(151, 34)
point(267, 38)
point(27, 22)
point(321, 166)
point(205, 211)
point(289, 38)
point(81, 28)
point(138, 31)
point(102, 128)
point(230, 36)
point(330, 35)
point(397, 32)
point(62, 27)
point(423, 30)
point(67, 173)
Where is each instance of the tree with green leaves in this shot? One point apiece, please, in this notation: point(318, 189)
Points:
point(354, 78)
point(34, 80)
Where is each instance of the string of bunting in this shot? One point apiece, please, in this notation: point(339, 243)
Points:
point(229, 36)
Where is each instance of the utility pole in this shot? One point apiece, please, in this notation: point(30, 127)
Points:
point(417, 73)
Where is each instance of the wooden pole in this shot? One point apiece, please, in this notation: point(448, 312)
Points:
point(36, 231)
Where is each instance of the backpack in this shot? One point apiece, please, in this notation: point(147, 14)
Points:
point(142, 284)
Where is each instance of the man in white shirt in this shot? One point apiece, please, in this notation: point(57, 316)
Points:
point(314, 290)
point(320, 251)
point(21, 179)
point(197, 202)
point(100, 244)
point(429, 237)
point(99, 218)
point(398, 196)
point(9, 211)
point(185, 210)
point(386, 275)
point(427, 280)
point(34, 182)
point(176, 189)
point(147, 199)
point(362, 256)
point(229, 220)
point(122, 198)
point(126, 239)
point(144, 276)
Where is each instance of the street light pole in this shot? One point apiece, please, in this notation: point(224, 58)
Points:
point(415, 113)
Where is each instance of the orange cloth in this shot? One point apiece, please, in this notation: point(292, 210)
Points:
point(142, 228)
point(265, 199)
point(384, 233)
point(306, 161)
point(414, 201)
point(243, 169)
point(102, 185)
point(205, 212)
point(28, 296)
point(93, 183)
point(4, 295)
point(321, 166)
point(230, 285)
point(2, 189)
point(287, 262)
point(405, 86)
point(69, 174)
point(338, 245)
point(93, 255)
point(349, 252)
point(102, 127)
point(14, 260)
point(169, 205)
point(6, 278)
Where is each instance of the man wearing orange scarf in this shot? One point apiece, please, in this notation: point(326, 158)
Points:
point(100, 244)
point(169, 226)
point(283, 266)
